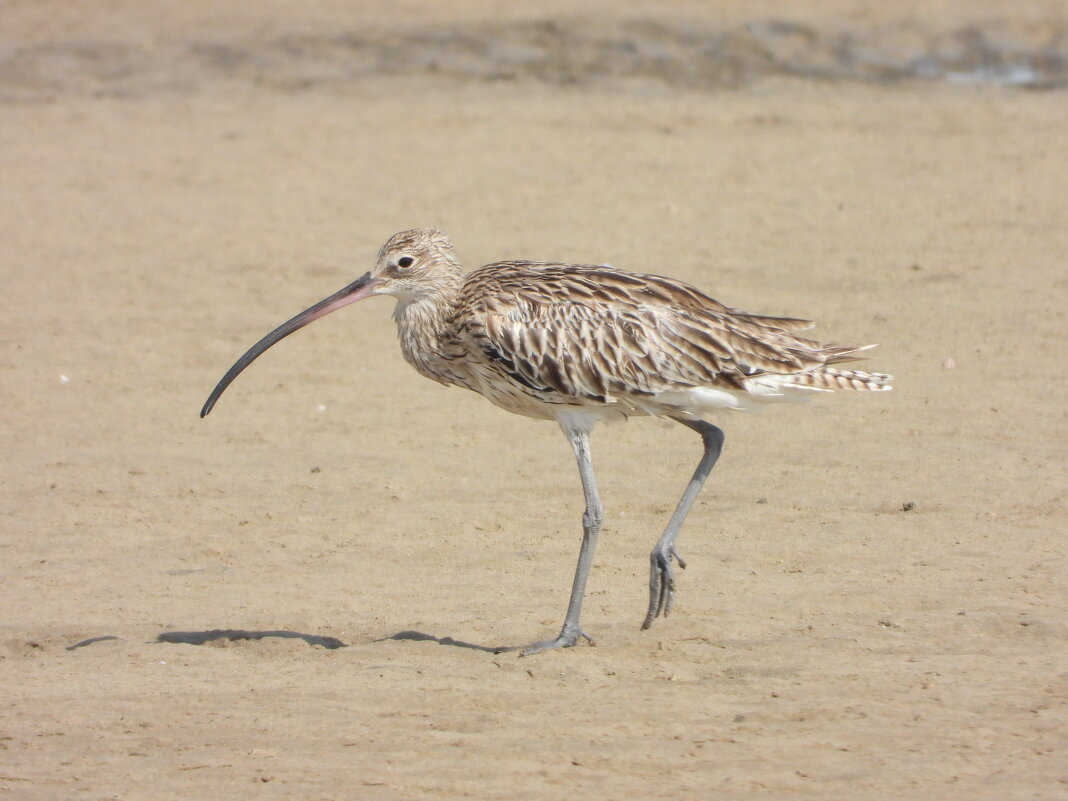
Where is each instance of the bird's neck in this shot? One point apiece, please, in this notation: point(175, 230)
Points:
point(423, 326)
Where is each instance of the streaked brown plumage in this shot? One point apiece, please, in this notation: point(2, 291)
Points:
point(581, 343)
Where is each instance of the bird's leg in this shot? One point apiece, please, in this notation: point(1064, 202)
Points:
point(661, 573)
point(591, 527)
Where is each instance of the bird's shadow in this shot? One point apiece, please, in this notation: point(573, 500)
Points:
point(319, 640)
point(202, 637)
point(331, 643)
point(419, 636)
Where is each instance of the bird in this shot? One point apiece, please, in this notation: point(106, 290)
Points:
point(584, 343)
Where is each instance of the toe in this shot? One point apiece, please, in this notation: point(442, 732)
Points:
point(565, 640)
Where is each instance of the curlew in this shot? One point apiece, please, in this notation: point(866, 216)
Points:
point(579, 343)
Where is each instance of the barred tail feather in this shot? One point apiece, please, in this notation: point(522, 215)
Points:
point(831, 379)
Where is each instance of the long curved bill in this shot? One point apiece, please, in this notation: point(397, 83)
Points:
point(359, 289)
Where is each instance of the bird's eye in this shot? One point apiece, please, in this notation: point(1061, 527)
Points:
point(404, 262)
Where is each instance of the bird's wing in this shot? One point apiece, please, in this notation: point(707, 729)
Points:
point(594, 333)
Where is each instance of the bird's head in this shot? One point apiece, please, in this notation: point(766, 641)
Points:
point(412, 266)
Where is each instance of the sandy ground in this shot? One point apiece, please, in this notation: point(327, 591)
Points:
point(875, 602)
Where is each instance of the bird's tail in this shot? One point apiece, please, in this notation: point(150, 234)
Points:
point(830, 379)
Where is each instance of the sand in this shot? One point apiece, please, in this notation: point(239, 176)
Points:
point(298, 596)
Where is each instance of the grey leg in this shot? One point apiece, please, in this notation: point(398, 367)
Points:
point(661, 573)
point(591, 527)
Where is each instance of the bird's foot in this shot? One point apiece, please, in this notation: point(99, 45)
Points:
point(661, 582)
point(568, 638)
